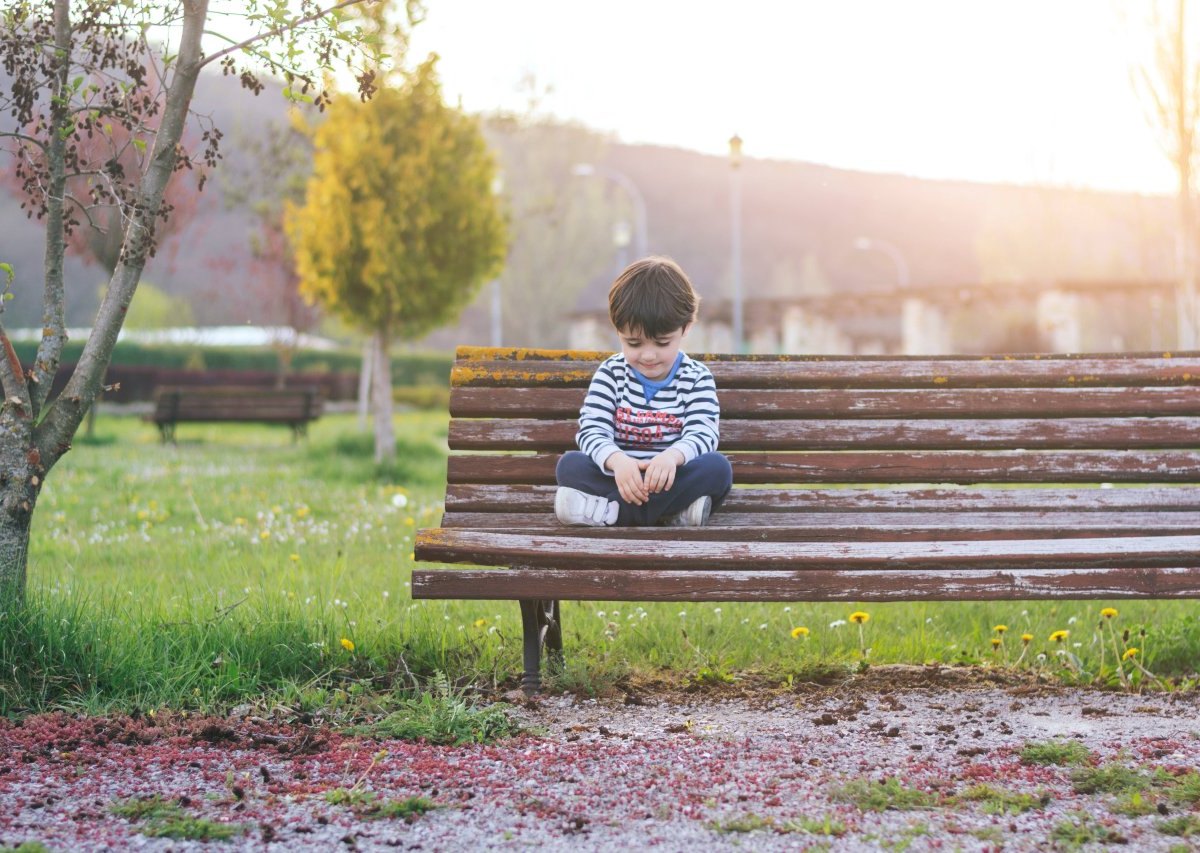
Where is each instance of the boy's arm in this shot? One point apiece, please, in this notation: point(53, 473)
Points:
point(701, 418)
point(597, 417)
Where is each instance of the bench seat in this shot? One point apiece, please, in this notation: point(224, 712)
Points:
point(293, 407)
point(855, 479)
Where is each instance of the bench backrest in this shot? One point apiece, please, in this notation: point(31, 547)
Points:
point(272, 405)
point(898, 430)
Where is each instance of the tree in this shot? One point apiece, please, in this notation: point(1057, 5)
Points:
point(1171, 86)
point(399, 226)
point(74, 73)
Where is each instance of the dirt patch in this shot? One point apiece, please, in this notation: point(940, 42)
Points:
point(897, 755)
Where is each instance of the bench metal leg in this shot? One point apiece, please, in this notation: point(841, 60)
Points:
point(541, 627)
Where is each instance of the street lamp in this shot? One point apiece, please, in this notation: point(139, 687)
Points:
point(587, 170)
point(735, 227)
point(497, 317)
point(867, 244)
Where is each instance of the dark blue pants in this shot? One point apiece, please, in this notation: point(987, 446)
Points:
point(707, 474)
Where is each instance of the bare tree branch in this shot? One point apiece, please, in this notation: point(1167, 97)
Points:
point(24, 138)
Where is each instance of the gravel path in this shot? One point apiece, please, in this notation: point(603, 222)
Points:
point(672, 770)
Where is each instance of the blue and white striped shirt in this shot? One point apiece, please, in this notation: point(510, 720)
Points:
point(616, 415)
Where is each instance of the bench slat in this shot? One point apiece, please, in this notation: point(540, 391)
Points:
point(551, 403)
point(1055, 434)
point(1057, 466)
point(488, 547)
point(817, 585)
point(814, 527)
point(817, 372)
point(520, 498)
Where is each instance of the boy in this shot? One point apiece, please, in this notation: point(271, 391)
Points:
point(648, 428)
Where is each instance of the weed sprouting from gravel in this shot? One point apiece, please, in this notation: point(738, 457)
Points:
point(1081, 829)
point(804, 825)
point(998, 801)
point(1057, 752)
point(886, 794)
point(1109, 779)
point(442, 715)
point(367, 804)
point(166, 819)
point(1183, 826)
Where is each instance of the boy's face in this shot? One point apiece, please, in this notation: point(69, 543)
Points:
point(651, 357)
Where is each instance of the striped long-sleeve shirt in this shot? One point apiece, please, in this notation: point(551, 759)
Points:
point(616, 415)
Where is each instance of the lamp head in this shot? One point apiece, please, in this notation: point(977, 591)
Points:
point(735, 150)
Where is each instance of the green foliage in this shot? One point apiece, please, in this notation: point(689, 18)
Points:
point(1133, 804)
point(1060, 752)
point(408, 368)
point(442, 715)
point(888, 794)
point(154, 308)
point(400, 226)
point(367, 804)
point(31, 847)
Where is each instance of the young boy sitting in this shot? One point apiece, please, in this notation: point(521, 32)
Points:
point(648, 428)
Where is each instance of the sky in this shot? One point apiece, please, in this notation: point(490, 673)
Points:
point(1022, 91)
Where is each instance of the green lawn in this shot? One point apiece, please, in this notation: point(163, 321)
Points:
point(240, 566)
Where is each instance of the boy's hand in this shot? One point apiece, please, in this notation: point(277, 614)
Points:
point(659, 473)
point(627, 471)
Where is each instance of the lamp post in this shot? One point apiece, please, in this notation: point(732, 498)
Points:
point(735, 242)
point(496, 315)
point(867, 244)
point(587, 170)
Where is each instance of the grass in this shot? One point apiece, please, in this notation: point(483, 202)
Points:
point(888, 794)
point(230, 569)
point(166, 819)
point(998, 801)
point(442, 715)
point(1058, 752)
point(1108, 779)
point(1185, 826)
point(751, 822)
point(1082, 829)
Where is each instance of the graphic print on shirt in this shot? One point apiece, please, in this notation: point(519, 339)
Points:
point(646, 427)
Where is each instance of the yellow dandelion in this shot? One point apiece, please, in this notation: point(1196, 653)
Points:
point(302, 512)
point(1059, 636)
point(996, 642)
point(1027, 638)
point(266, 534)
point(347, 644)
point(799, 631)
point(1000, 629)
point(295, 558)
point(1130, 652)
point(858, 617)
point(1108, 612)
point(479, 623)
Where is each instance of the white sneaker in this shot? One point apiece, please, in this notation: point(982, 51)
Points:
point(577, 508)
point(696, 515)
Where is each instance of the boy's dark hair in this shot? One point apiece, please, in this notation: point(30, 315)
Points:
point(653, 296)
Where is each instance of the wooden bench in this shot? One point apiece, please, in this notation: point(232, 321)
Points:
point(294, 407)
point(855, 479)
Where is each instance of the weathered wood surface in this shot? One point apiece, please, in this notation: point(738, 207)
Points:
point(815, 585)
point(857, 527)
point(941, 434)
point(786, 373)
point(1081, 466)
point(483, 547)
point(551, 403)
point(484, 498)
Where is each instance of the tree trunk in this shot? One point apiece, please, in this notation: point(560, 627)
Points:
point(21, 474)
point(381, 396)
point(364, 383)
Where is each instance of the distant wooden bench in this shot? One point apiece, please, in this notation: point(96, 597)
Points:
point(855, 479)
point(293, 407)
